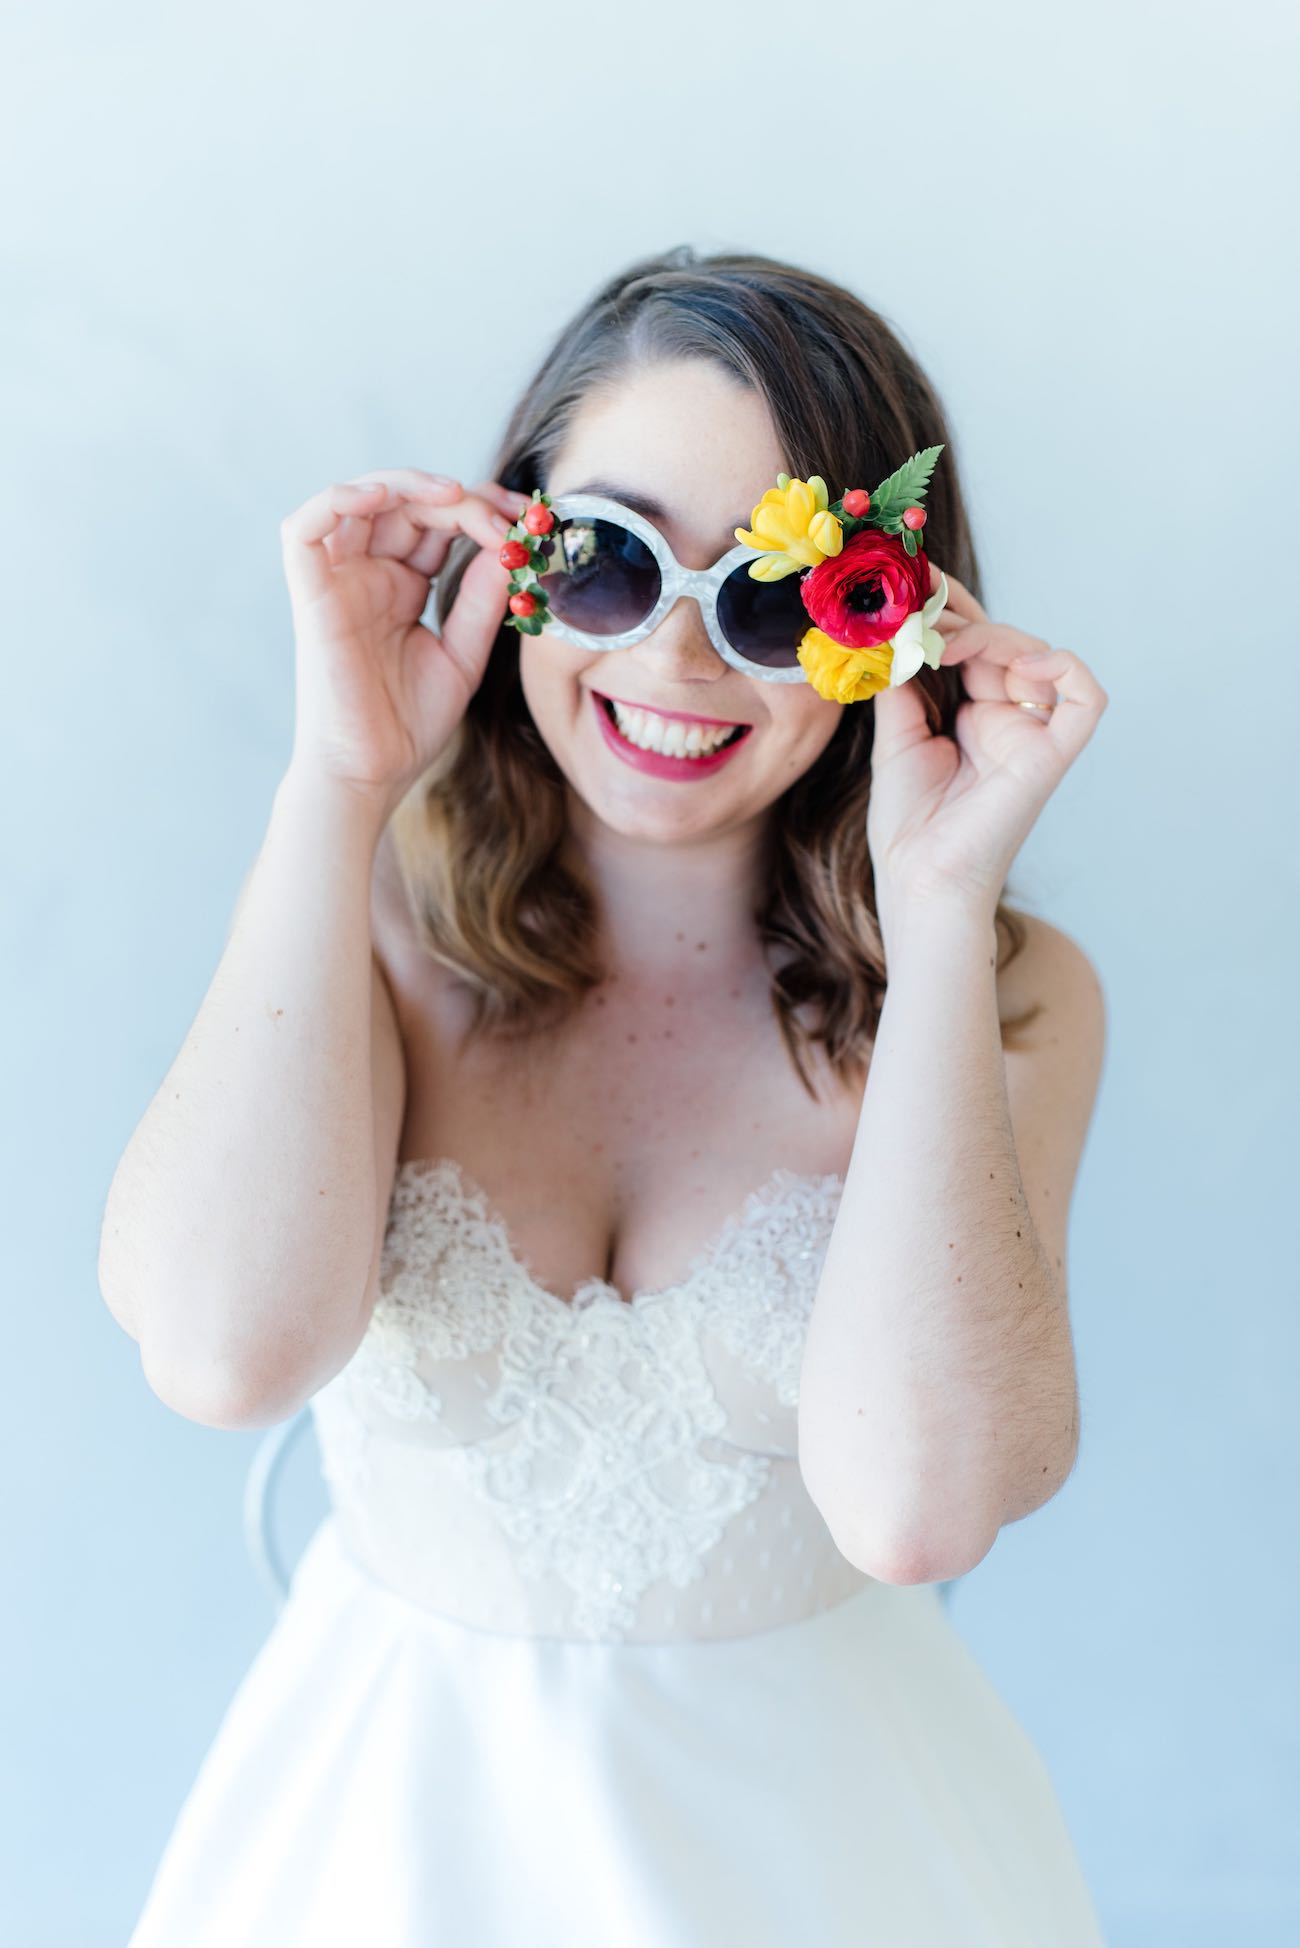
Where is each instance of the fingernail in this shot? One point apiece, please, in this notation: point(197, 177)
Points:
point(1031, 655)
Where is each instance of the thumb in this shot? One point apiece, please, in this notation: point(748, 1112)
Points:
point(900, 721)
point(476, 614)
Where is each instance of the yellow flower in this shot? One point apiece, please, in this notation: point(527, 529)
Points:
point(844, 675)
point(792, 527)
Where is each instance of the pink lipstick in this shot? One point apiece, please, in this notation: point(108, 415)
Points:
point(657, 764)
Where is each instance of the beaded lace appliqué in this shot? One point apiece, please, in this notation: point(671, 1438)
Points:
point(618, 1473)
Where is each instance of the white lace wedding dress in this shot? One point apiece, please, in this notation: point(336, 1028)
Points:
point(573, 1661)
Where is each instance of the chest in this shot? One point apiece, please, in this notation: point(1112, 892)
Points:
point(618, 1146)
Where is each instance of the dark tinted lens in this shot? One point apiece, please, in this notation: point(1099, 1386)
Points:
point(600, 577)
point(765, 621)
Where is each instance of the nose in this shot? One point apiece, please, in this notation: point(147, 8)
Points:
point(678, 649)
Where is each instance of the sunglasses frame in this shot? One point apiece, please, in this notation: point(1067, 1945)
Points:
point(675, 581)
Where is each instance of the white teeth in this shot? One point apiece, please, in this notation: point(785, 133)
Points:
point(668, 736)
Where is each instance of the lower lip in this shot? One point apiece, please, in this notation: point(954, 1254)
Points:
point(655, 762)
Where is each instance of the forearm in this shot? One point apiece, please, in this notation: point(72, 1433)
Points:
point(938, 1394)
point(239, 1228)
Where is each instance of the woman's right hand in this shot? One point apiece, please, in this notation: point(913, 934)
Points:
point(377, 694)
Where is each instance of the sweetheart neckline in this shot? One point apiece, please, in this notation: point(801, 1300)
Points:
point(780, 1184)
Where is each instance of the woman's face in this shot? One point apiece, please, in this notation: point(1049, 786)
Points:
point(688, 437)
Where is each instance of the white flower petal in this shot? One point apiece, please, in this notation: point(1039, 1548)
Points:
point(938, 601)
point(908, 649)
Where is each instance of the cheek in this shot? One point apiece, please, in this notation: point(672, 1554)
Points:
point(543, 676)
point(805, 723)
point(548, 675)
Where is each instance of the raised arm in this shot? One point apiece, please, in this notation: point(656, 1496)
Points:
point(242, 1229)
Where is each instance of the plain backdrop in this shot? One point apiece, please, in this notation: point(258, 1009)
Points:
point(247, 251)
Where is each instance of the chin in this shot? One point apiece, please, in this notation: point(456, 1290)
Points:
point(655, 815)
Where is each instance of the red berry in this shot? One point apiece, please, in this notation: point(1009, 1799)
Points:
point(857, 503)
point(523, 604)
point(538, 519)
point(513, 554)
point(914, 518)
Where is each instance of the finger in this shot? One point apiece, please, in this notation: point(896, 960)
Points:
point(419, 531)
point(959, 598)
point(388, 488)
point(986, 653)
point(508, 500)
point(411, 480)
point(335, 523)
point(350, 537)
point(427, 550)
point(470, 513)
point(307, 565)
point(988, 682)
point(430, 552)
point(1080, 700)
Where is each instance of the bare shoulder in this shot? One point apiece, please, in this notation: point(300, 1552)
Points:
point(1053, 1067)
point(1051, 972)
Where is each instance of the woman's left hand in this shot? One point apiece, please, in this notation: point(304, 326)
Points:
point(947, 817)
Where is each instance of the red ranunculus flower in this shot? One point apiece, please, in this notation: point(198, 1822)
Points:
point(863, 595)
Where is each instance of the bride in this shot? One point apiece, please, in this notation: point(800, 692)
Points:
point(629, 1112)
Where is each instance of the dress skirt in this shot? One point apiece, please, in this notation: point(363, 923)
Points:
point(386, 1777)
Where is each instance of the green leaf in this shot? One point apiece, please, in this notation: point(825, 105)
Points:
point(904, 488)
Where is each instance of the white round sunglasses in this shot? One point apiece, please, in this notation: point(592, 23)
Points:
point(612, 578)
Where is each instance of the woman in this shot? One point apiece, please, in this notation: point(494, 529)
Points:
point(679, 1304)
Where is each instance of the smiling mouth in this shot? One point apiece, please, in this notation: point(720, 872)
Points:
point(670, 734)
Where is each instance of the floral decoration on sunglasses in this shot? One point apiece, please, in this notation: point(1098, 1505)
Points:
point(864, 578)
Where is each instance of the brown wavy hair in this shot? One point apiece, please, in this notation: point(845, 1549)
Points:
point(479, 837)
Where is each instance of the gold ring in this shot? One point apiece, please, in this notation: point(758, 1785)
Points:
point(1048, 707)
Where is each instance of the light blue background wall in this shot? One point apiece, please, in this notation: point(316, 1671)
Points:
point(249, 251)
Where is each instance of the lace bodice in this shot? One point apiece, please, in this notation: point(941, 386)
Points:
point(597, 1468)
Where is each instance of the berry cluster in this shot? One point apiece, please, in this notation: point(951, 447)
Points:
point(907, 521)
point(525, 553)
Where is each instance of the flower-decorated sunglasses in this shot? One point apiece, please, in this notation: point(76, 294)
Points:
point(603, 577)
point(609, 578)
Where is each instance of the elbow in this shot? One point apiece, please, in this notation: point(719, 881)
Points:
point(213, 1395)
point(205, 1395)
point(915, 1551)
point(912, 1557)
